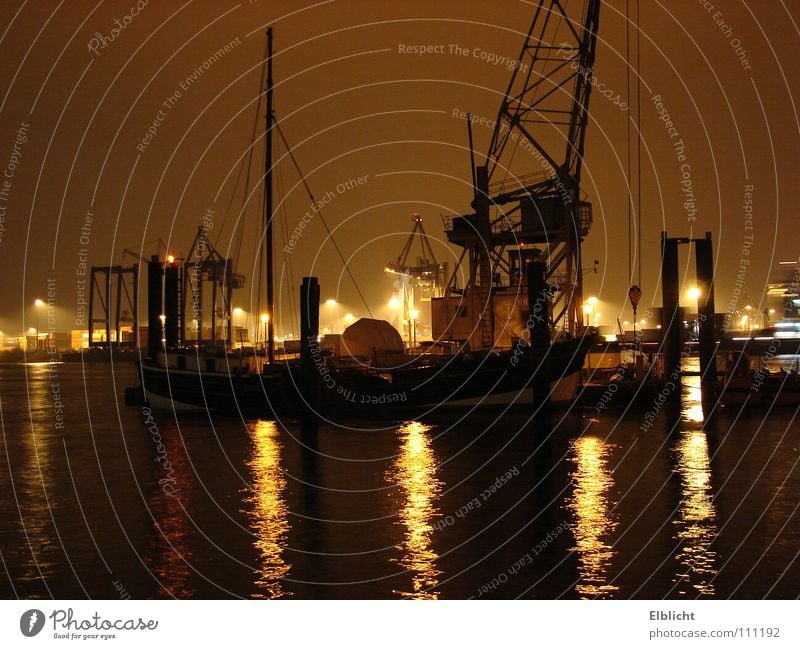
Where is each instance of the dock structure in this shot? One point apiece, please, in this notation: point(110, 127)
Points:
point(670, 312)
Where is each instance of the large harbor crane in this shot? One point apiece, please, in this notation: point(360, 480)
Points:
point(522, 217)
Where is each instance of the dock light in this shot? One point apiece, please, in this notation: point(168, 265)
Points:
point(693, 293)
point(348, 317)
point(264, 321)
point(170, 259)
point(592, 300)
point(394, 303)
point(38, 304)
point(749, 308)
point(331, 303)
point(31, 331)
point(587, 309)
point(772, 311)
point(643, 322)
point(414, 313)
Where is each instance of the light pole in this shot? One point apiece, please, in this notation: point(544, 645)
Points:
point(38, 304)
point(265, 321)
point(413, 314)
point(331, 303)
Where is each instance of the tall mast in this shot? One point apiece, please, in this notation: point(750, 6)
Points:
point(268, 207)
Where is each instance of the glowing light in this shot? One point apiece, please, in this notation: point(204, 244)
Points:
point(238, 311)
point(39, 303)
point(592, 300)
point(696, 527)
point(330, 302)
point(170, 259)
point(264, 318)
point(414, 314)
point(32, 331)
point(594, 517)
point(693, 293)
point(414, 471)
point(348, 317)
point(587, 309)
point(269, 512)
point(394, 303)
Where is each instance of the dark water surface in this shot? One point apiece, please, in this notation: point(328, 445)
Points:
point(481, 506)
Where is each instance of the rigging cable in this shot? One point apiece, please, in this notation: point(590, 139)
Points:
point(628, 136)
point(322, 218)
point(639, 143)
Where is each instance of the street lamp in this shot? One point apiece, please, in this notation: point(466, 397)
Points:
point(693, 293)
point(331, 304)
point(264, 321)
point(38, 304)
point(589, 307)
point(413, 314)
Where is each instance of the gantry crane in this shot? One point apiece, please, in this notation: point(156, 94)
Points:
point(539, 216)
point(420, 282)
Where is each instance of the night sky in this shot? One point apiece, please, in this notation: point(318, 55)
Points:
point(144, 129)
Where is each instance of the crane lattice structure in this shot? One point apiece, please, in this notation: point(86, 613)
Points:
point(427, 274)
point(541, 124)
point(416, 283)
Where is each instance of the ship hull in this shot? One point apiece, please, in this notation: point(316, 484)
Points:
point(461, 381)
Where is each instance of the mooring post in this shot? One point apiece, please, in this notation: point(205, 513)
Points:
point(670, 313)
point(539, 332)
point(154, 302)
point(706, 316)
point(309, 343)
point(171, 305)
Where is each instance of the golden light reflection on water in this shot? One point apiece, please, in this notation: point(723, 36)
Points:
point(594, 521)
point(414, 471)
point(697, 523)
point(269, 510)
point(691, 401)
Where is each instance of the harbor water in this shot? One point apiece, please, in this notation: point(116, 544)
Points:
point(104, 500)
